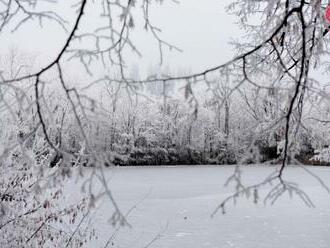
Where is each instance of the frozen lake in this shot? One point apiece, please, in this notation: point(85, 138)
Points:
point(174, 204)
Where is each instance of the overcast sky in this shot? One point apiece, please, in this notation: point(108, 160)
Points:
point(202, 29)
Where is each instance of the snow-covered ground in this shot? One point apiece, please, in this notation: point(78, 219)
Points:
point(174, 204)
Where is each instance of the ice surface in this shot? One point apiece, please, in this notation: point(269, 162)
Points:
point(174, 205)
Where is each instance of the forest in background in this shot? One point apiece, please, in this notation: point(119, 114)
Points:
point(167, 123)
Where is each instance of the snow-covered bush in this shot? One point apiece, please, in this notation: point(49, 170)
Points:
point(33, 212)
point(321, 157)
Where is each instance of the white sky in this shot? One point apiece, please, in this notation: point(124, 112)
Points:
point(201, 28)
